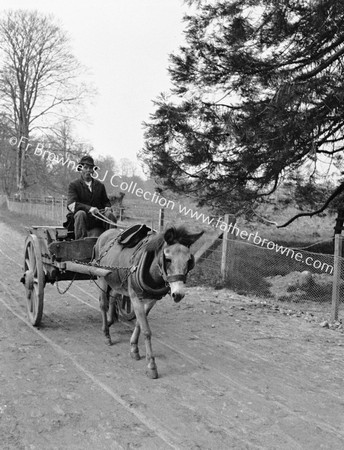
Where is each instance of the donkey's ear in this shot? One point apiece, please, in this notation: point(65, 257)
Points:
point(170, 235)
point(192, 238)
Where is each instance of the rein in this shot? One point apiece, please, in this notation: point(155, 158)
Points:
point(100, 216)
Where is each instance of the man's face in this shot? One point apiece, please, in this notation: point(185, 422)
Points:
point(86, 172)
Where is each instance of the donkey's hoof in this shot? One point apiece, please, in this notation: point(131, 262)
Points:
point(135, 355)
point(152, 373)
point(108, 341)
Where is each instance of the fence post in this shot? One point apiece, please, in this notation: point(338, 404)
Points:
point(161, 218)
point(338, 241)
point(227, 267)
point(62, 210)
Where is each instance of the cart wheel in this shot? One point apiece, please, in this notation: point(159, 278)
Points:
point(125, 307)
point(33, 279)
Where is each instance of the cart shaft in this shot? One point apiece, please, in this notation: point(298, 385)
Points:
point(89, 270)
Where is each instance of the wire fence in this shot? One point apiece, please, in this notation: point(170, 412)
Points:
point(51, 209)
point(261, 271)
point(290, 277)
point(54, 209)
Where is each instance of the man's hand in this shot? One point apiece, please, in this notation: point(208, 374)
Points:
point(108, 208)
point(93, 210)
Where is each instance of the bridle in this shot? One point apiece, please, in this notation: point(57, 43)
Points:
point(176, 277)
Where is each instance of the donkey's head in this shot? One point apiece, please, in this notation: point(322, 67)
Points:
point(176, 259)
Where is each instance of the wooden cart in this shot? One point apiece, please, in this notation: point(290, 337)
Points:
point(51, 256)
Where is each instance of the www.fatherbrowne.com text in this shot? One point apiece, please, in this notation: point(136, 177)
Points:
point(230, 230)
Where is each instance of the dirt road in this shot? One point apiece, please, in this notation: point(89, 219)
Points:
point(234, 372)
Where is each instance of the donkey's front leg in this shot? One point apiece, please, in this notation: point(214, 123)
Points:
point(104, 306)
point(142, 309)
point(152, 370)
point(134, 341)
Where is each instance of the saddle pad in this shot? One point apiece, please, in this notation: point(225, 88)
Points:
point(133, 235)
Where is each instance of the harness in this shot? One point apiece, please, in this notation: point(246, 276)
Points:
point(140, 262)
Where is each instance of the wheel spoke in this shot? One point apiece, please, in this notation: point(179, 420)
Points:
point(34, 262)
point(30, 301)
point(26, 264)
point(30, 251)
point(32, 259)
point(28, 259)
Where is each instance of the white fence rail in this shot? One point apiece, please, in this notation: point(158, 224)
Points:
point(54, 209)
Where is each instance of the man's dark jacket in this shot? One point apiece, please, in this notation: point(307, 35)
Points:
point(84, 199)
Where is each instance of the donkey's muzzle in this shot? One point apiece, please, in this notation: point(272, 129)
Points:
point(177, 296)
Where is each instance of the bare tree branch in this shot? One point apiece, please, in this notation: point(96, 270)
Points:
point(35, 62)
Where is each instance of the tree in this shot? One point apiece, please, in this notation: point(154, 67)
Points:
point(7, 157)
point(107, 172)
point(59, 163)
point(127, 167)
point(257, 91)
point(38, 76)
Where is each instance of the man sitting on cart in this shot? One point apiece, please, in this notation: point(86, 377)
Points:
point(86, 198)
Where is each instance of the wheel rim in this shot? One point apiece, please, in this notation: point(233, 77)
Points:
point(34, 280)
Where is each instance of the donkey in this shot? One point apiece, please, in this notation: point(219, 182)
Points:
point(157, 265)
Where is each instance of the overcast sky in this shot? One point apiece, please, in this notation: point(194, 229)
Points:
point(125, 44)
